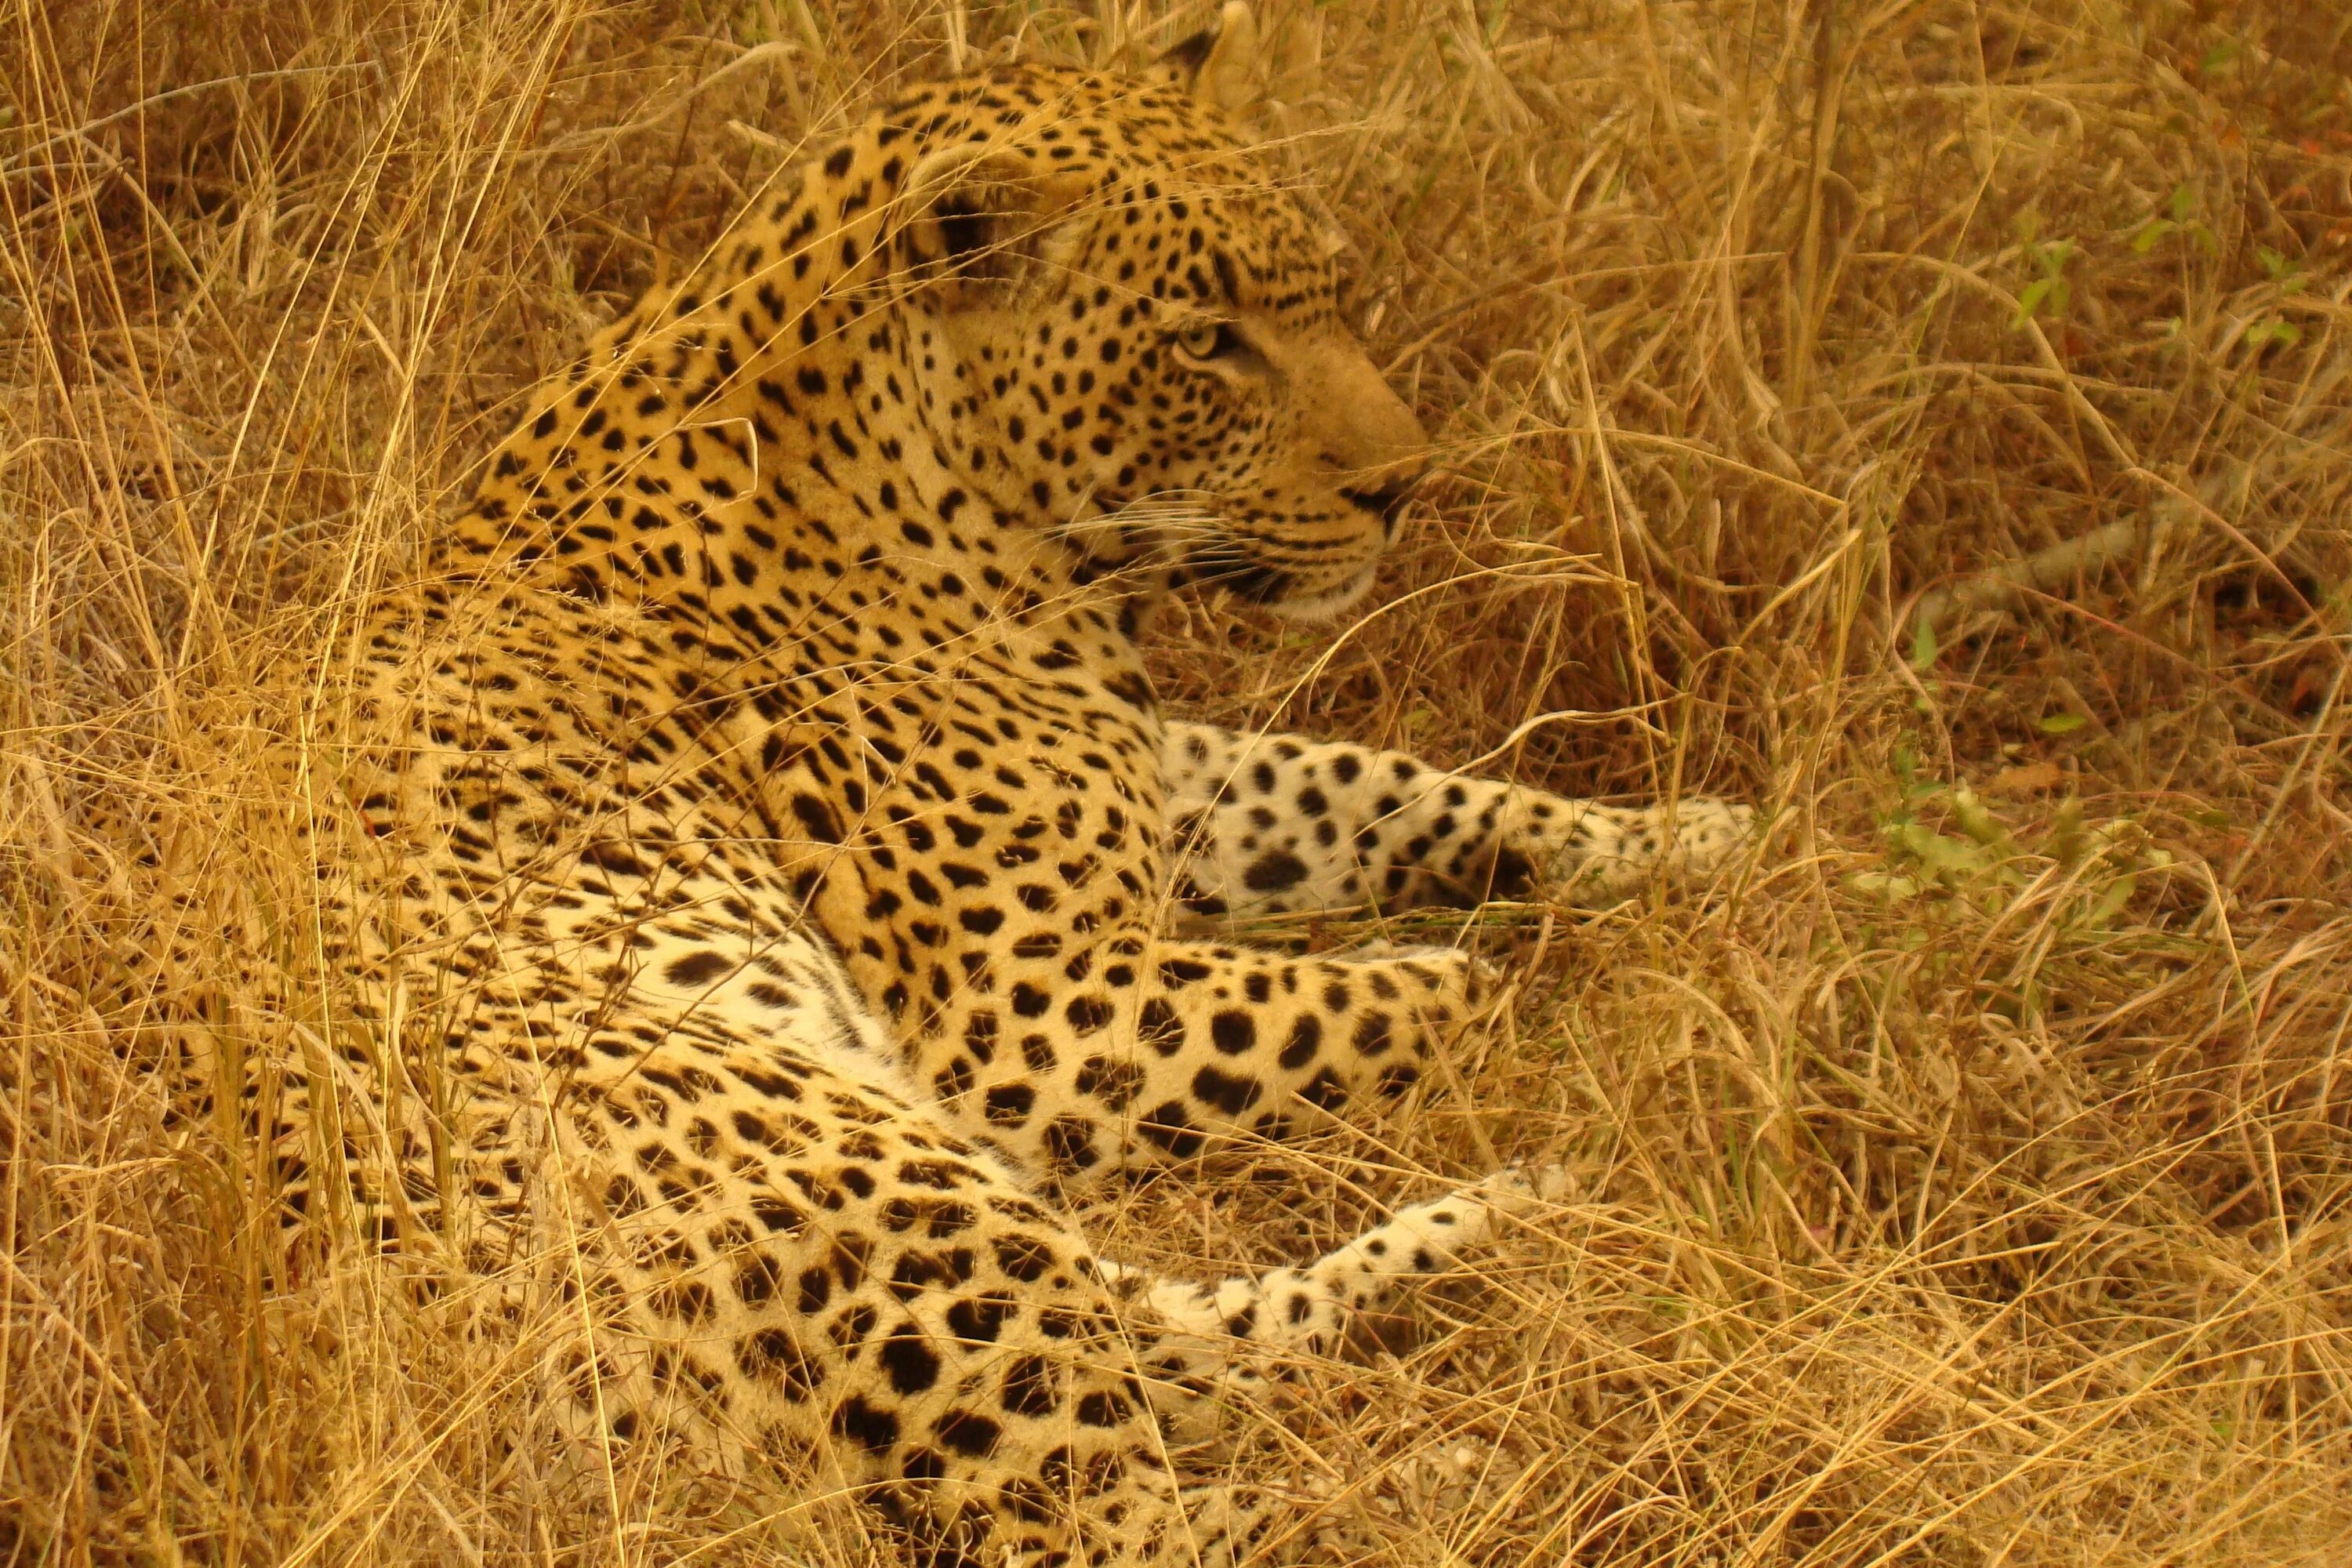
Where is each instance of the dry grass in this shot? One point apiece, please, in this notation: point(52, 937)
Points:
point(1967, 1186)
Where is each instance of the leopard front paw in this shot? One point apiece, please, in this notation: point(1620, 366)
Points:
point(1465, 980)
point(1522, 1190)
point(1592, 856)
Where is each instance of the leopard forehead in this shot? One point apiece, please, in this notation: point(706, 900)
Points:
point(1141, 153)
point(1157, 158)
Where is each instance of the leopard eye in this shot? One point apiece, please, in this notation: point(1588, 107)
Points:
point(1207, 340)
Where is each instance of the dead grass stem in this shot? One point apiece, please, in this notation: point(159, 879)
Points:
point(1967, 1185)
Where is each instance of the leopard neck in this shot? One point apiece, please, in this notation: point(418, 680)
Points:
point(785, 429)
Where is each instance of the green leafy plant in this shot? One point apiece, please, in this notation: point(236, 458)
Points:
point(2048, 294)
point(2178, 216)
point(1943, 844)
point(2286, 274)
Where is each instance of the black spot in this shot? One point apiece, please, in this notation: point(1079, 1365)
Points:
point(1232, 1095)
point(1175, 974)
point(850, 1329)
point(1110, 1079)
point(909, 1362)
point(979, 1319)
point(757, 1281)
point(817, 817)
point(1325, 1089)
point(968, 1434)
point(1169, 1127)
point(1024, 1258)
point(1103, 1409)
point(614, 858)
point(1029, 1387)
point(697, 968)
point(1233, 1032)
point(1009, 1104)
point(777, 1214)
point(816, 1289)
point(1513, 874)
point(1158, 1027)
point(1070, 1143)
point(772, 1356)
point(849, 1254)
point(874, 1430)
point(1306, 1039)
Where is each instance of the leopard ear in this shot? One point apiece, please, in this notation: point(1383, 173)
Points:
point(1215, 61)
point(987, 214)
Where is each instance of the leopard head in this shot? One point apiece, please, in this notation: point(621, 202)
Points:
point(1143, 316)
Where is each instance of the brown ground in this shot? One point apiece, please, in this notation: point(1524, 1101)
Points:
point(1968, 1187)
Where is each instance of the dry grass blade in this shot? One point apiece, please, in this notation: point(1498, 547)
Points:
point(1971, 1186)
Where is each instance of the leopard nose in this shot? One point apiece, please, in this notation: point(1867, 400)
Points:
point(1373, 445)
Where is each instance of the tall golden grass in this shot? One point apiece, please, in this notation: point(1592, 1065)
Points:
point(1929, 418)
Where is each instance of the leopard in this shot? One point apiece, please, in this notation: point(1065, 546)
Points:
point(762, 868)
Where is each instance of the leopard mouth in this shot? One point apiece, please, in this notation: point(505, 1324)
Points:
point(1387, 501)
point(1200, 545)
point(1228, 567)
point(1286, 593)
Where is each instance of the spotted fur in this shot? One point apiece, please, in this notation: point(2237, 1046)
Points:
point(761, 812)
